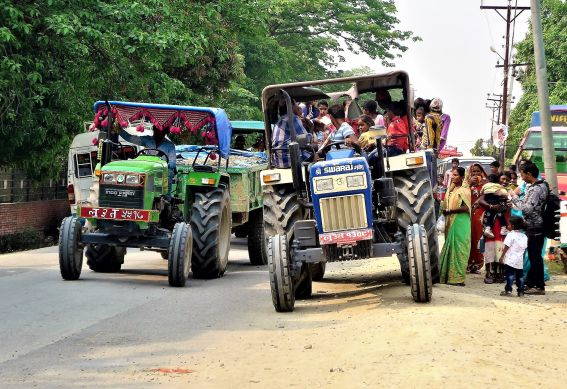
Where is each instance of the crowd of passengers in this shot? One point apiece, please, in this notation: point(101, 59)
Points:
point(381, 117)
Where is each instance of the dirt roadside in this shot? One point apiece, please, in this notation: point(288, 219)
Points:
point(365, 331)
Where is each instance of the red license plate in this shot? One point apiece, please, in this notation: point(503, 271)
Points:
point(136, 215)
point(345, 237)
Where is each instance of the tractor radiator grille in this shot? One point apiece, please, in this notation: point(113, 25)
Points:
point(121, 197)
point(343, 213)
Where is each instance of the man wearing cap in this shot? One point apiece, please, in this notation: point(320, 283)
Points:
point(433, 127)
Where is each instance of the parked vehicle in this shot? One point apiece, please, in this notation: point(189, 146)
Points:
point(188, 219)
point(343, 207)
point(445, 164)
point(531, 147)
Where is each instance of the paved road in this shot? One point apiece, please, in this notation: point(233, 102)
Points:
point(361, 329)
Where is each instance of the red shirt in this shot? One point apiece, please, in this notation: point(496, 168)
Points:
point(398, 132)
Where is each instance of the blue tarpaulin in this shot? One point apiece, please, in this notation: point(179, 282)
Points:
point(222, 122)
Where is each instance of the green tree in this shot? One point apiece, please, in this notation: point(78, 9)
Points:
point(57, 57)
point(483, 148)
point(554, 24)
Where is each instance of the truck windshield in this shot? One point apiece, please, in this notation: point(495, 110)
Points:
point(533, 150)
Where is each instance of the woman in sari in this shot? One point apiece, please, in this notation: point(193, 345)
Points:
point(476, 178)
point(457, 247)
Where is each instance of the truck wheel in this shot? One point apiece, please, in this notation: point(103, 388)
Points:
point(281, 211)
point(415, 204)
point(256, 239)
point(281, 283)
point(70, 249)
point(103, 258)
point(180, 249)
point(211, 223)
point(241, 231)
point(164, 255)
point(420, 270)
point(318, 271)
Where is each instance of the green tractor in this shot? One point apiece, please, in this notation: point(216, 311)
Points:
point(141, 200)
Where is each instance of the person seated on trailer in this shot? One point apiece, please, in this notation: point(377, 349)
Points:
point(156, 140)
point(398, 130)
point(371, 109)
point(281, 136)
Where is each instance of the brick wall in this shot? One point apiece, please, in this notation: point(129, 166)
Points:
point(40, 215)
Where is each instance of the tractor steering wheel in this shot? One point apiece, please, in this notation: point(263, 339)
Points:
point(154, 153)
point(338, 145)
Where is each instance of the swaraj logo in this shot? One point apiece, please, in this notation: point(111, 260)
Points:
point(341, 168)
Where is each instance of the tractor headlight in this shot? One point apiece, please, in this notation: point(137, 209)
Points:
point(355, 181)
point(108, 178)
point(132, 179)
point(324, 184)
point(120, 178)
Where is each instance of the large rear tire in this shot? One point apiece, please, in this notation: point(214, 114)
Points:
point(256, 239)
point(211, 220)
point(180, 250)
point(102, 258)
point(281, 282)
point(241, 231)
point(70, 249)
point(415, 205)
point(281, 211)
point(420, 269)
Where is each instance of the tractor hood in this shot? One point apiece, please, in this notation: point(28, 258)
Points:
point(143, 164)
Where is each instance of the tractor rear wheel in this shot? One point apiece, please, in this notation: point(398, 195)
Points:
point(281, 211)
point(102, 258)
point(415, 205)
point(180, 250)
point(70, 249)
point(420, 270)
point(281, 282)
point(211, 220)
point(256, 239)
point(241, 231)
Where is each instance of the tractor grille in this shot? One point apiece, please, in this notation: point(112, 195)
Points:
point(121, 197)
point(343, 213)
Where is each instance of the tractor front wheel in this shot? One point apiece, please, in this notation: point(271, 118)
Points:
point(70, 249)
point(256, 239)
point(180, 249)
point(420, 269)
point(103, 258)
point(281, 282)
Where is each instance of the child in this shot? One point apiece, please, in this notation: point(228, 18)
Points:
point(367, 133)
point(495, 196)
point(439, 193)
point(512, 257)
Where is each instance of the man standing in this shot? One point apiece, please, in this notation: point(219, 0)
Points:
point(532, 208)
point(433, 127)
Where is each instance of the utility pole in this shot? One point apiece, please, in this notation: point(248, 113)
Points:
point(509, 20)
point(543, 98)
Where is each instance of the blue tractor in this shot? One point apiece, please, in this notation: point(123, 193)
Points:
point(340, 203)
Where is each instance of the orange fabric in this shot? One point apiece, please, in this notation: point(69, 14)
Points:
point(398, 132)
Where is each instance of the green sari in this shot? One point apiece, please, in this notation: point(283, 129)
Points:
point(456, 250)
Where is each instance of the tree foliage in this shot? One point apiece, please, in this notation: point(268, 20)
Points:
point(554, 25)
point(57, 57)
point(483, 148)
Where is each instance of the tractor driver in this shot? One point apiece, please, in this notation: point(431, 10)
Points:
point(281, 136)
point(157, 140)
